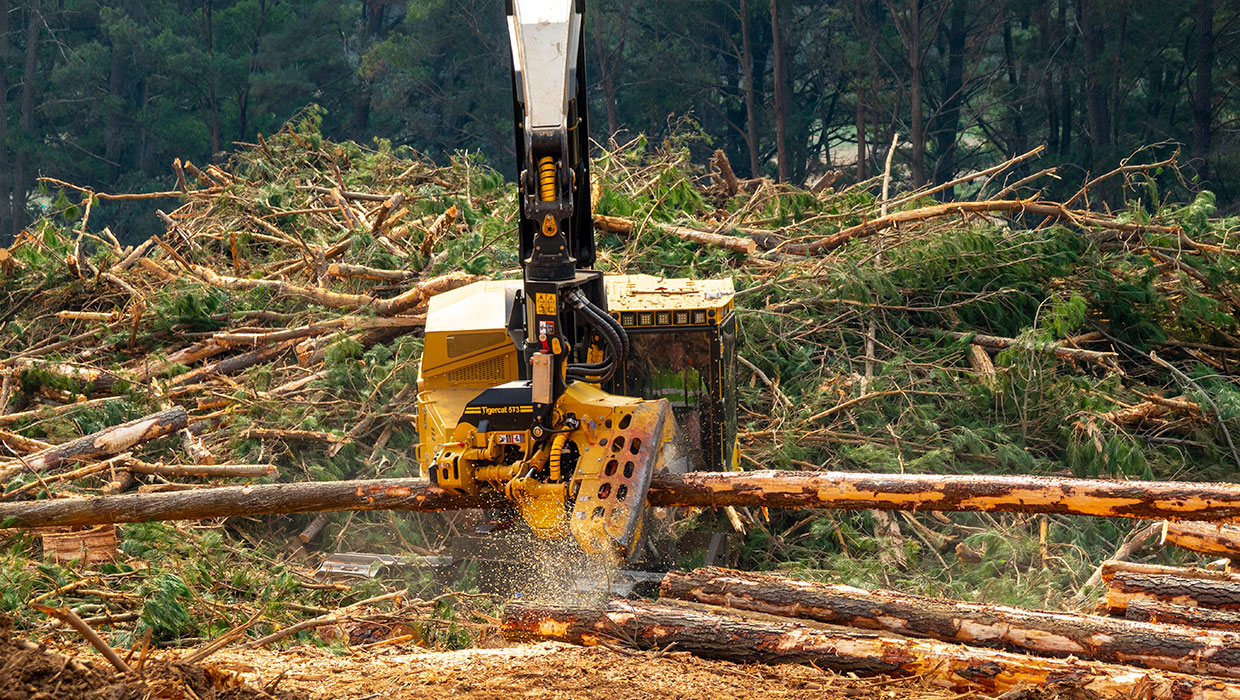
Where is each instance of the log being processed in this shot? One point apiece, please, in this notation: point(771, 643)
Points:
point(717, 635)
point(1165, 647)
point(1011, 494)
point(772, 489)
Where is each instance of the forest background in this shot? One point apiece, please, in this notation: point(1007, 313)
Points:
point(107, 94)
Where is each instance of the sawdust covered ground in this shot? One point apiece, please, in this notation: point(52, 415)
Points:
point(548, 671)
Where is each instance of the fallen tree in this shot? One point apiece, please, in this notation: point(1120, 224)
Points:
point(772, 489)
point(1125, 589)
point(617, 224)
point(106, 442)
point(1046, 633)
point(961, 668)
point(261, 499)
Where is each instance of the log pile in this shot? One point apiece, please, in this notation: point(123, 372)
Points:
point(1203, 598)
point(748, 618)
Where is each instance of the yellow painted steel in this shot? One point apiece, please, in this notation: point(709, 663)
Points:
point(546, 179)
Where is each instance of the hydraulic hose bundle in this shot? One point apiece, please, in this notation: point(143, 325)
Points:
point(609, 330)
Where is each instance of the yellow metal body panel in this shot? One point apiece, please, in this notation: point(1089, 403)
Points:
point(467, 347)
point(620, 441)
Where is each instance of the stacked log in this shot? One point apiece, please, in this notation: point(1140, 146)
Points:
point(1124, 589)
point(714, 634)
point(1038, 632)
point(1173, 614)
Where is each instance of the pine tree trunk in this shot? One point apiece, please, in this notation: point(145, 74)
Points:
point(1030, 631)
point(6, 163)
point(947, 126)
point(781, 96)
point(1097, 110)
point(751, 110)
point(1203, 87)
point(917, 125)
point(21, 169)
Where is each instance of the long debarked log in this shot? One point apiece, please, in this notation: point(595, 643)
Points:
point(1012, 494)
point(773, 489)
point(1125, 589)
point(106, 442)
point(1172, 614)
point(1101, 638)
point(955, 666)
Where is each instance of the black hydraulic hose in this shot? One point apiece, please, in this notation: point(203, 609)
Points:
point(611, 323)
point(599, 322)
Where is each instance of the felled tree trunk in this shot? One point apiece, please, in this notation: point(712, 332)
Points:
point(1173, 614)
point(1012, 494)
point(1125, 589)
point(624, 226)
point(954, 666)
point(106, 442)
point(259, 499)
point(1219, 540)
point(1038, 632)
point(773, 489)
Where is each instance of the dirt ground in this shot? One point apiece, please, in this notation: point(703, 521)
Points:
point(546, 671)
point(29, 671)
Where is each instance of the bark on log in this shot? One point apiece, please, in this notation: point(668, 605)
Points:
point(369, 273)
point(318, 328)
point(260, 499)
point(772, 489)
point(184, 356)
point(1111, 567)
point(1219, 540)
point(1032, 631)
point(236, 363)
point(953, 666)
point(1125, 589)
point(622, 225)
point(1014, 494)
point(1173, 614)
point(106, 442)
